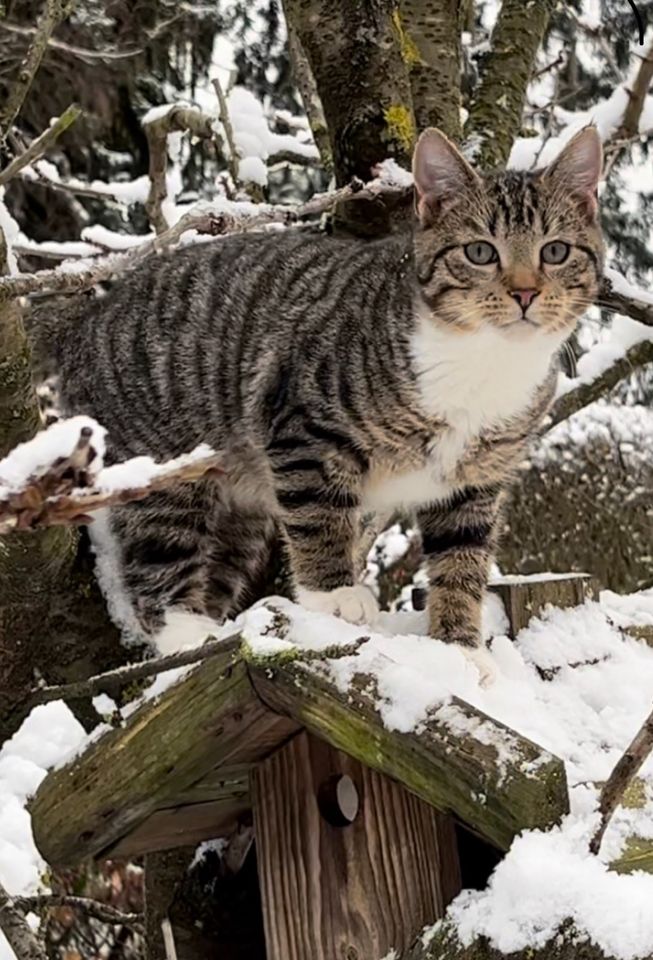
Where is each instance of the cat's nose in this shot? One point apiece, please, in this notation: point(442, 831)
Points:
point(524, 297)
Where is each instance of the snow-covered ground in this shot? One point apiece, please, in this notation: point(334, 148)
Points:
point(573, 681)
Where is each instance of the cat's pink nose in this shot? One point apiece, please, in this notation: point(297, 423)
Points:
point(524, 297)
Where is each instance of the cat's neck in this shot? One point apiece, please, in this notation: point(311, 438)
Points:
point(484, 377)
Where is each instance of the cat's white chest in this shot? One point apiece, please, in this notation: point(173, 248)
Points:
point(470, 382)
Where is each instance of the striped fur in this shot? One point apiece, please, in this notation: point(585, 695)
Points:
point(310, 360)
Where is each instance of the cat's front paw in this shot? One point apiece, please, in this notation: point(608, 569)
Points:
point(484, 663)
point(354, 604)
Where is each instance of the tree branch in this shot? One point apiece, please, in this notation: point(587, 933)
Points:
point(430, 47)
point(22, 941)
point(66, 492)
point(627, 767)
point(585, 393)
point(113, 681)
point(204, 220)
point(92, 908)
point(303, 76)
point(55, 11)
point(636, 98)
point(225, 120)
point(177, 119)
point(496, 112)
point(39, 146)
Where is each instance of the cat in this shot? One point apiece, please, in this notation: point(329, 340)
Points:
point(342, 375)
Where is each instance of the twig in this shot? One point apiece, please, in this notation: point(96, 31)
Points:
point(20, 937)
point(82, 53)
point(93, 908)
point(201, 219)
point(55, 11)
point(617, 783)
point(305, 81)
point(225, 119)
point(38, 147)
point(115, 680)
point(168, 939)
point(177, 119)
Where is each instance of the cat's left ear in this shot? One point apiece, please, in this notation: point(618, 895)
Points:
point(577, 168)
point(441, 174)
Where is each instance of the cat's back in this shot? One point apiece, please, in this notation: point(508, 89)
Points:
point(164, 357)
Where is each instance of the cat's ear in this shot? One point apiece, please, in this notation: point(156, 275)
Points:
point(440, 173)
point(577, 168)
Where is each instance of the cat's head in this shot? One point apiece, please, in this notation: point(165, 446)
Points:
point(521, 251)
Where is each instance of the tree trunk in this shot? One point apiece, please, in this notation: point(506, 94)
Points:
point(496, 111)
point(354, 51)
point(430, 46)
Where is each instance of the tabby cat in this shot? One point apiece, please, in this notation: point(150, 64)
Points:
point(342, 375)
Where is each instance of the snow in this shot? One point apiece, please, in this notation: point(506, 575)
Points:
point(574, 683)
point(141, 471)
point(48, 734)
point(32, 458)
point(628, 428)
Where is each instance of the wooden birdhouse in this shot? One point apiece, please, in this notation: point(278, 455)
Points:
point(356, 825)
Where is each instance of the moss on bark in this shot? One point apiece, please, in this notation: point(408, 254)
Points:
point(444, 944)
point(430, 46)
point(354, 51)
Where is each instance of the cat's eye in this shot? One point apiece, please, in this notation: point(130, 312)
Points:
point(481, 253)
point(555, 252)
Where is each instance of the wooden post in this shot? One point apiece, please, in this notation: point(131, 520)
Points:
point(351, 865)
point(525, 597)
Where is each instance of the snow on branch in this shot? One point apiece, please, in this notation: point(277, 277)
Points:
point(38, 146)
point(628, 347)
point(214, 218)
point(58, 478)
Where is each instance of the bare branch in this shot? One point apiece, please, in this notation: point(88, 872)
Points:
point(20, 937)
point(65, 492)
point(225, 120)
point(626, 304)
point(55, 11)
point(204, 220)
point(92, 908)
point(113, 681)
point(82, 53)
point(38, 146)
point(305, 81)
point(617, 783)
point(181, 119)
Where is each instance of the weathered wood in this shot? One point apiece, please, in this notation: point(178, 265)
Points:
point(337, 887)
point(452, 762)
point(177, 753)
point(210, 808)
point(211, 717)
point(525, 597)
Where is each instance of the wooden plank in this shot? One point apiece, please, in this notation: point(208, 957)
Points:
point(460, 760)
point(211, 717)
point(181, 827)
point(525, 597)
point(333, 887)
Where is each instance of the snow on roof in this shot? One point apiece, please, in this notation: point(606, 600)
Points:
point(573, 682)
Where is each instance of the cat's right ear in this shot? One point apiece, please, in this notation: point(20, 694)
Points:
point(440, 173)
